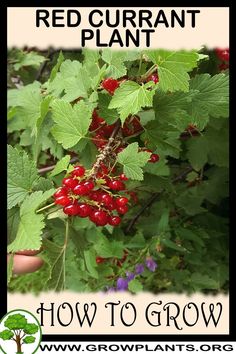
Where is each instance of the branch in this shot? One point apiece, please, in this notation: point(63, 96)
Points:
point(152, 199)
point(107, 149)
point(50, 168)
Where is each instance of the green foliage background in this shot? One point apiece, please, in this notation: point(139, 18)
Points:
point(185, 229)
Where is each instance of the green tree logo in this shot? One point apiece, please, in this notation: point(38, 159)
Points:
point(22, 328)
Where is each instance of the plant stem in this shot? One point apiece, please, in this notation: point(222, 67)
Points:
point(149, 72)
point(45, 208)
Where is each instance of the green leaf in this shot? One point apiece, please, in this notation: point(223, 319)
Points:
point(56, 259)
point(131, 97)
point(212, 147)
point(137, 241)
point(191, 200)
point(91, 55)
point(107, 249)
point(133, 160)
point(204, 281)
point(10, 267)
point(115, 59)
point(56, 67)
point(22, 174)
point(31, 328)
point(90, 261)
point(61, 166)
point(211, 97)
point(71, 123)
point(173, 68)
point(30, 228)
point(163, 224)
point(109, 115)
point(27, 100)
point(135, 286)
point(6, 334)
point(29, 339)
point(146, 116)
point(13, 219)
point(28, 59)
point(170, 244)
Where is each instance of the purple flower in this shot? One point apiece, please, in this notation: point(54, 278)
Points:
point(139, 268)
point(151, 264)
point(122, 284)
point(130, 276)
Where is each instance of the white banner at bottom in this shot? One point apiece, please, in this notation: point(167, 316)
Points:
point(137, 347)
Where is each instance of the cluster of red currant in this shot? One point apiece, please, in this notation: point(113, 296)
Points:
point(85, 196)
point(223, 55)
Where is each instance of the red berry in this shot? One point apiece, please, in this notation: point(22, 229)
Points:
point(110, 85)
point(111, 206)
point(122, 209)
point(99, 260)
point(114, 220)
point(63, 200)
point(154, 78)
point(223, 66)
point(80, 189)
point(84, 210)
point(121, 201)
point(105, 198)
point(99, 217)
point(62, 191)
point(69, 182)
point(89, 185)
point(154, 158)
point(103, 168)
point(71, 209)
point(133, 195)
point(94, 195)
point(123, 177)
point(78, 171)
point(223, 54)
point(116, 185)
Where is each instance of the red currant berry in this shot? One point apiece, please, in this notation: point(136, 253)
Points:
point(80, 189)
point(223, 54)
point(62, 191)
point(69, 182)
point(94, 195)
point(123, 177)
point(223, 66)
point(78, 171)
point(122, 209)
point(89, 185)
point(71, 209)
point(154, 158)
point(99, 260)
point(116, 185)
point(99, 217)
point(105, 198)
point(111, 206)
point(84, 210)
point(110, 85)
point(114, 220)
point(154, 78)
point(121, 201)
point(63, 200)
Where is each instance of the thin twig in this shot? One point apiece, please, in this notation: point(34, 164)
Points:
point(152, 199)
point(44, 64)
